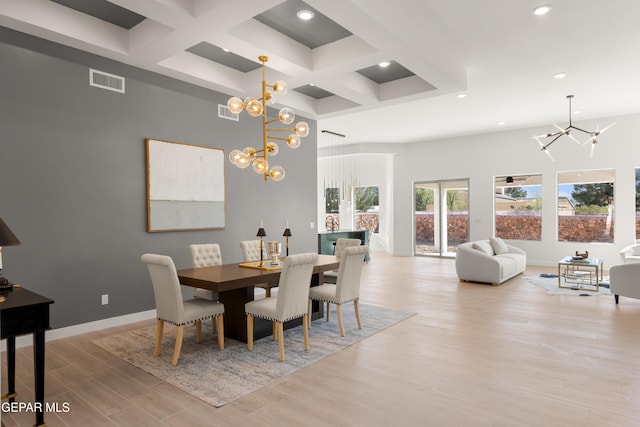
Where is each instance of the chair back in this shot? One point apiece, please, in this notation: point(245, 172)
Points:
point(205, 255)
point(166, 287)
point(251, 250)
point(293, 288)
point(348, 282)
point(344, 242)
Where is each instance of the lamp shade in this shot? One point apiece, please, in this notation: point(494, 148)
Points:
point(287, 232)
point(7, 238)
point(261, 232)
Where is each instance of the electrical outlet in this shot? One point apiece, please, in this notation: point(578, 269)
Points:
point(105, 299)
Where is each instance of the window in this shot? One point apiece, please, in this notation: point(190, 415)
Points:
point(332, 208)
point(518, 207)
point(585, 206)
point(367, 208)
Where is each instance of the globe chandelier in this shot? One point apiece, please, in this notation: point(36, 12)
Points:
point(259, 159)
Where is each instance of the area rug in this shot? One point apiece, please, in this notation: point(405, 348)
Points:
point(219, 377)
point(550, 284)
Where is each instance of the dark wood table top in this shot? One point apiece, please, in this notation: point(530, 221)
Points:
point(226, 277)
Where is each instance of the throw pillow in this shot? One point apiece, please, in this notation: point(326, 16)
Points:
point(484, 246)
point(498, 245)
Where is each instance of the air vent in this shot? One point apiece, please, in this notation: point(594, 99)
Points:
point(225, 113)
point(106, 81)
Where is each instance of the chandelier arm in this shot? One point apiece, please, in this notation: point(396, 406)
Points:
point(277, 137)
point(281, 129)
point(544, 147)
point(581, 130)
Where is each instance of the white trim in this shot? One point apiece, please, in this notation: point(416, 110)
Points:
point(69, 331)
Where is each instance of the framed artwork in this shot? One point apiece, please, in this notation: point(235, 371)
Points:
point(185, 186)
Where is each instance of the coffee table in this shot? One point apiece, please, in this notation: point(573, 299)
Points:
point(580, 272)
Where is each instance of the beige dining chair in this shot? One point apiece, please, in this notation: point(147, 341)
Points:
point(341, 244)
point(290, 302)
point(251, 252)
point(170, 307)
point(347, 287)
point(206, 255)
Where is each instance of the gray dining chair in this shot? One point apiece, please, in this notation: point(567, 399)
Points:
point(170, 307)
point(347, 287)
point(290, 302)
point(341, 244)
point(251, 252)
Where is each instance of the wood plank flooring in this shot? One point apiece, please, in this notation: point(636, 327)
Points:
point(474, 355)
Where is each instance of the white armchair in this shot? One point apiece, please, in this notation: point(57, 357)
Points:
point(630, 254)
point(624, 280)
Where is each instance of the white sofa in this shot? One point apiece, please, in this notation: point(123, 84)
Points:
point(630, 254)
point(480, 261)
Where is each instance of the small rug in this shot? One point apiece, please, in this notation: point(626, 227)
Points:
point(219, 377)
point(550, 284)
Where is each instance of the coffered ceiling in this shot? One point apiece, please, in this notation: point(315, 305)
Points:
point(496, 52)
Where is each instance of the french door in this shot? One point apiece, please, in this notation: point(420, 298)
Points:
point(441, 216)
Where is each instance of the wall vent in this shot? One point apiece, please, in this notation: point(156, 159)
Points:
point(106, 81)
point(223, 112)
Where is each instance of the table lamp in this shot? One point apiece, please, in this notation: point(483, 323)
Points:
point(7, 238)
point(261, 234)
point(287, 234)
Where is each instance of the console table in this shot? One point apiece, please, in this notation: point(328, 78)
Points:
point(25, 312)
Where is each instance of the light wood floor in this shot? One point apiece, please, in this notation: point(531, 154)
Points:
point(474, 355)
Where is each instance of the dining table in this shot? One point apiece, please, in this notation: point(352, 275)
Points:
point(235, 285)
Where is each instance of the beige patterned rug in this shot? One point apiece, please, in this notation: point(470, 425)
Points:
point(219, 377)
point(549, 282)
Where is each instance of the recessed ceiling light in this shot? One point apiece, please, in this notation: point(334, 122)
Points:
point(461, 95)
point(542, 9)
point(384, 64)
point(225, 50)
point(305, 15)
point(577, 112)
point(560, 75)
point(501, 123)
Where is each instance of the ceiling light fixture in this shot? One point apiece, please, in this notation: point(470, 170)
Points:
point(384, 64)
point(258, 107)
point(560, 75)
point(461, 95)
point(567, 131)
point(305, 15)
point(542, 10)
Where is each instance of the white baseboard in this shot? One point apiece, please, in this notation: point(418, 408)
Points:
point(70, 331)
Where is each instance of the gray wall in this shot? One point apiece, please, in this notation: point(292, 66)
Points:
point(72, 178)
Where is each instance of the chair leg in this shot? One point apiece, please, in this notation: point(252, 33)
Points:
point(279, 329)
point(178, 347)
point(309, 310)
point(616, 297)
point(356, 305)
point(305, 331)
point(267, 292)
point(198, 330)
point(213, 325)
point(159, 331)
point(328, 309)
point(339, 313)
point(249, 332)
point(220, 319)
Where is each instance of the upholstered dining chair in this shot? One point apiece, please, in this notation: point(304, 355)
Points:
point(290, 303)
point(347, 287)
point(251, 252)
point(341, 244)
point(205, 255)
point(170, 306)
